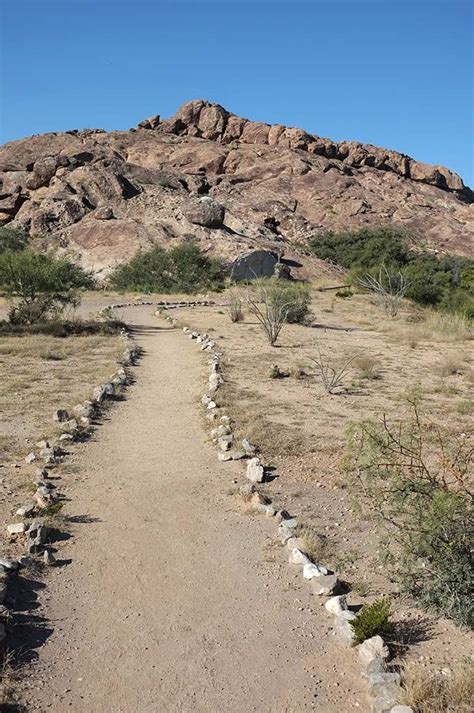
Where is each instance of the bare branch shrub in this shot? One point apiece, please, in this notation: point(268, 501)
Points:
point(332, 377)
point(390, 288)
point(269, 312)
point(234, 307)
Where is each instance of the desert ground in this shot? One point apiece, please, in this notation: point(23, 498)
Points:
point(169, 593)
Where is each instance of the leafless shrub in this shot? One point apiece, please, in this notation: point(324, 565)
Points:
point(332, 376)
point(390, 288)
point(234, 307)
point(270, 313)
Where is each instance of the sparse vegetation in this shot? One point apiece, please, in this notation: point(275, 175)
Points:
point(184, 268)
point(448, 691)
point(271, 312)
point(417, 480)
point(390, 288)
point(368, 368)
point(332, 376)
point(234, 307)
point(372, 620)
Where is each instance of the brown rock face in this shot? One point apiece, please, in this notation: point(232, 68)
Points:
point(228, 183)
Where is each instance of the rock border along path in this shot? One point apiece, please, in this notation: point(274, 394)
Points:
point(384, 686)
point(29, 525)
point(167, 604)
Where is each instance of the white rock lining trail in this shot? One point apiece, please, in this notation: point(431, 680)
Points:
point(384, 686)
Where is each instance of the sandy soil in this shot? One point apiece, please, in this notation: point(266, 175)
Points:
point(171, 597)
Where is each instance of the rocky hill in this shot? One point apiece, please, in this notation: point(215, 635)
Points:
point(229, 183)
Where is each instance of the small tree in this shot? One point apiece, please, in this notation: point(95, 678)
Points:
point(39, 286)
point(389, 287)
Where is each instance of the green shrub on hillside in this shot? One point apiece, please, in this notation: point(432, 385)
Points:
point(12, 239)
point(445, 282)
point(184, 268)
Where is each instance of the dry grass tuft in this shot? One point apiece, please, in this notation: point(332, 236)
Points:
point(452, 364)
point(449, 691)
point(313, 543)
point(368, 368)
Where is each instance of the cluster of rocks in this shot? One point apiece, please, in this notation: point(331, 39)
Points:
point(29, 527)
point(383, 685)
point(203, 119)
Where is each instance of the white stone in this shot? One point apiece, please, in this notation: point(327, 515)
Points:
point(296, 556)
point(30, 458)
point(255, 471)
point(16, 528)
point(311, 570)
point(372, 648)
point(335, 605)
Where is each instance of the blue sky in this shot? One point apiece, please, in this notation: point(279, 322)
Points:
point(395, 73)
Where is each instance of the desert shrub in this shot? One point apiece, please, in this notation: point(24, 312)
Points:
point(39, 286)
point(234, 307)
point(345, 293)
point(266, 303)
point(416, 479)
point(390, 287)
point(368, 368)
point(184, 268)
point(372, 620)
point(449, 691)
point(367, 247)
point(332, 374)
point(12, 239)
point(298, 298)
point(445, 282)
point(294, 298)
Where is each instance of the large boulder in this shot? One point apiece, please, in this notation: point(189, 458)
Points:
point(204, 211)
point(256, 263)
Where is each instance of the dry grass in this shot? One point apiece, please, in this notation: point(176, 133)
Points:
point(368, 368)
point(7, 678)
point(313, 543)
point(40, 373)
point(432, 326)
point(452, 364)
point(448, 691)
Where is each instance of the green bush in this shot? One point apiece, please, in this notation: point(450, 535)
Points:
point(294, 297)
point(12, 239)
point(372, 620)
point(415, 479)
point(184, 268)
point(39, 286)
point(367, 247)
point(445, 282)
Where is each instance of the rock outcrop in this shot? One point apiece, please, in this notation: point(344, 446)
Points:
point(230, 184)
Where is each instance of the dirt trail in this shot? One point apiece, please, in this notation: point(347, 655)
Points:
point(169, 603)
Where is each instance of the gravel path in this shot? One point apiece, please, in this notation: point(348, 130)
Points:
point(174, 599)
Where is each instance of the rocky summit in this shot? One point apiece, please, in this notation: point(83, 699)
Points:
point(230, 184)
